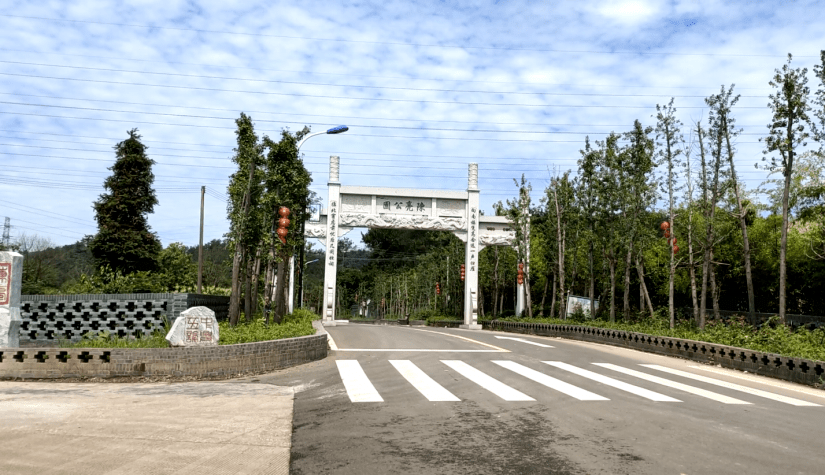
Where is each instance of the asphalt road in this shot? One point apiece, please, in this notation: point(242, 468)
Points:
point(399, 400)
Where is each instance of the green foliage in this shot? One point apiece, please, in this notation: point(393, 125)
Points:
point(297, 324)
point(772, 337)
point(107, 340)
point(177, 270)
point(108, 281)
point(124, 242)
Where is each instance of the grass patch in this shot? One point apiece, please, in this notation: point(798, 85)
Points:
point(772, 337)
point(297, 324)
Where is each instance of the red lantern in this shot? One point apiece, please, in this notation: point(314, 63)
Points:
point(283, 223)
point(520, 275)
point(667, 234)
point(462, 272)
point(664, 225)
point(676, 249)
point(438, 291)
point(674, 240)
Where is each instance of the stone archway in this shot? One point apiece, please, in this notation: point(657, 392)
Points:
point(456, 211)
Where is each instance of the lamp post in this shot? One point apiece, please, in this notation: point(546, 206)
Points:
point(332, 130)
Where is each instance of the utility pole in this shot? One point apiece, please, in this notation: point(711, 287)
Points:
point(201, 242)
point(6, 230)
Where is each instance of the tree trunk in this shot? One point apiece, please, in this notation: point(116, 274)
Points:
point(784, 229)
point(235, 292)
point(481, 304)
point(279, 292)
point(691, 271)
point(612, 270)
point(553, 298)
point(256, 272)
point(626, 297)
point(715, 295)
point(645, 297)
point(591, 278)
point(544, 295)
point(560, 236)
point(742, 216)
point(248, 290)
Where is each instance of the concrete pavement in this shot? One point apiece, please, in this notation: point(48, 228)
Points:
point(157, 428)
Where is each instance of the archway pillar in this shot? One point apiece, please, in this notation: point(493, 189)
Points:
point(472, 249)
point(328, 312)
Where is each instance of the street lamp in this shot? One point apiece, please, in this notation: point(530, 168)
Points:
point(332, 130)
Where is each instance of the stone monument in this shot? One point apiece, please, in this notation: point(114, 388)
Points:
point(196, 326)
point(11, 278)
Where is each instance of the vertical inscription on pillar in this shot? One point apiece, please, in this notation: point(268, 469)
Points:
point(5, 283)
point(472, 240)
point(333, 234)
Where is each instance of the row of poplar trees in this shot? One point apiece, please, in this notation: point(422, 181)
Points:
point(270, 175)
point(610, 201)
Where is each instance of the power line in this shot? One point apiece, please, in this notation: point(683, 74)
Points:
point(310, 123)
point(352, 134)
point(419, 45)
point(46, 213)
point(350, 98)
point(359, 86)
point(395, 78)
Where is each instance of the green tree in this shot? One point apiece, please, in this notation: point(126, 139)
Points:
point(668, 130)
point(177, 269)
point(244, 192)
point(124, 242)
point(787, 134)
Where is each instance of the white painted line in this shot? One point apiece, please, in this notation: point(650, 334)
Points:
point(332, 343)
point(525, 341)
point(657, 397)
point(548, 381)
point(356, 382)
point(762, 380)
point(498, 349)
point(734, 386)
point(679, 386)
point(487, 382)
point(416, 350)
point(423, 383)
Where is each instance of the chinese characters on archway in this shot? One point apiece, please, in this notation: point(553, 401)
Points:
point(333, 234)
point(473, 250)
point(199, 329)
point(404, 205)
point(5, 283)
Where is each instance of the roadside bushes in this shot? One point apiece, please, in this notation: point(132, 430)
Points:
point(297, 324)
point(772, 337)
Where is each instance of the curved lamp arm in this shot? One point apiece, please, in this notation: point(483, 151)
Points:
point(332, 130)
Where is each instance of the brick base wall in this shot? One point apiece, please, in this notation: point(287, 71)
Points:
point(214, 361)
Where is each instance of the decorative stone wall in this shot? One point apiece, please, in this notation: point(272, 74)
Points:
point(46, 319)
point(804, 371)
point(215, 361)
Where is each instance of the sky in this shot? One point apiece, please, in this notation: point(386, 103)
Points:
point(425, 88)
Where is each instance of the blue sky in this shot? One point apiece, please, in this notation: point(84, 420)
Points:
point(426, 87)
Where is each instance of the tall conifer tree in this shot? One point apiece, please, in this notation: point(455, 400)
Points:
point(124, 241)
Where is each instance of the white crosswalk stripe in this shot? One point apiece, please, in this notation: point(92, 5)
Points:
point(356, 383)
point(657, 397)
point(359, 388)
point(424, 384)
point(679, 386)
point(487, 382)
point(733, 386)
point(548, 381)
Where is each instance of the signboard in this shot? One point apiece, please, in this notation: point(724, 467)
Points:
point(5, 283)
point(579, 302)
